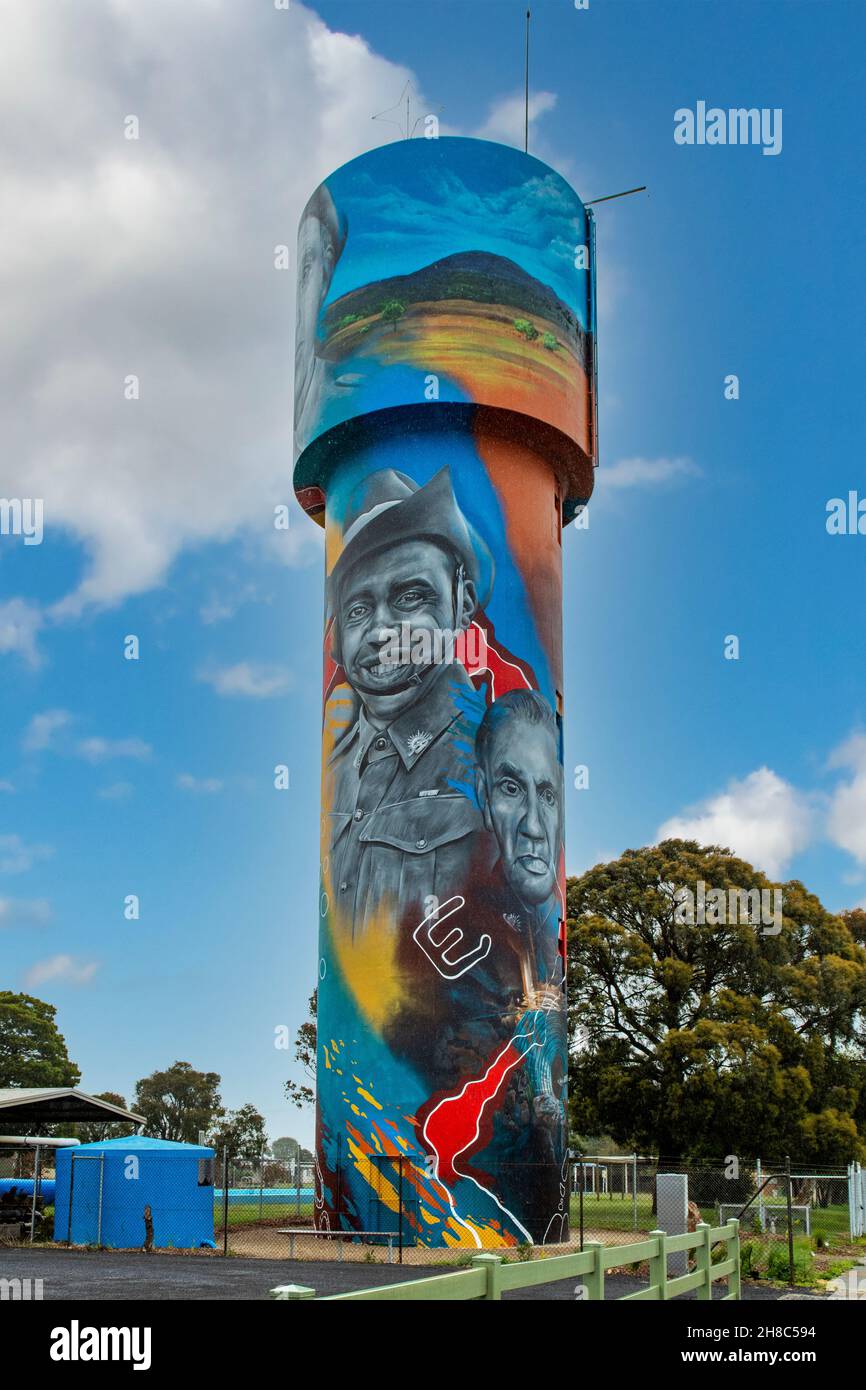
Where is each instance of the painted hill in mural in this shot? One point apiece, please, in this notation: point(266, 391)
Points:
point(478, 277)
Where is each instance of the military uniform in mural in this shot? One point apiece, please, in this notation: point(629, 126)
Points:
point(399, 832)
point(402, 828)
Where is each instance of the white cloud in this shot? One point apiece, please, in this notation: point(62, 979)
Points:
point(99, 750)
point(249, 678)
point(16, 857)
point(162, 268)
point(20, 621)
point(116, 791)
point(642, 472)
point(24, 912)
point(40, 732)
point(846, 818)
point(60, 970)
point(208, 785)
point(506, 119)
point(6, 785)
point(762, 818)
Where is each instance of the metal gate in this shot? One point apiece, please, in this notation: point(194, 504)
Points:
point(86, 1179)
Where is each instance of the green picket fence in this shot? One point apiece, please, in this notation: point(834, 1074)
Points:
point(489, 1277)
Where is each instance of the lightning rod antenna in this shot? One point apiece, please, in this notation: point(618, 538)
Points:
point(526, 105)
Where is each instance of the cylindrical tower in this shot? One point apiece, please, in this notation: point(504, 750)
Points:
point(445, 434)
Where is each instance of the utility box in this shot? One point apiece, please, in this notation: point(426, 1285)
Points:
point(672, 1215)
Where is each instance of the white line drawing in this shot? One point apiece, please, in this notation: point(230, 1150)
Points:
point(456, 966)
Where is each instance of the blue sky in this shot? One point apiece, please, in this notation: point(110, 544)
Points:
point(155, 777)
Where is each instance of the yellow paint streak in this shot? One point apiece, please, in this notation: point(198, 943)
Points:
point(365, 1095)
point(369, 964)
point(373, 1178)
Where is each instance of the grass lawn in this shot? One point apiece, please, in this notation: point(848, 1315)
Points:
point(617, 1214)
point(272, 1213)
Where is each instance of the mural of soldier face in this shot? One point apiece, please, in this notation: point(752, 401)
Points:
point(519, 787)
point(410, 582)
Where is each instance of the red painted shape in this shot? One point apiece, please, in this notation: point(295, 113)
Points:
point(490, 659)
point(454, 1126)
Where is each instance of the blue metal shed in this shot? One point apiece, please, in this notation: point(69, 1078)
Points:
point(102, 1190)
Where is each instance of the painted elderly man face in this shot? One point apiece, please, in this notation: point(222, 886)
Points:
point(410, 582)
point(520, 790)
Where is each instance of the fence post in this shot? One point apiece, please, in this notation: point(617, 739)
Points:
point(658, 1265)
point(790, 1219)
point(595, 1278)
point(492, 1266)
point(582, 1185)
point(733, 1251)
point(634, 1190)
point(287, 1291)
point(99, 1211)
point(400, 1204)
point(704, 1259)
point(71, 1189)
point(37, 1175)
point(225, 1201)
point(760, 1181)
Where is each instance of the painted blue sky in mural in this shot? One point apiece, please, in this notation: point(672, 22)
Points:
point(418, 209)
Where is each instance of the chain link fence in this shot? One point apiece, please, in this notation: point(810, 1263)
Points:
point(787, 1214)
point(27, 1182)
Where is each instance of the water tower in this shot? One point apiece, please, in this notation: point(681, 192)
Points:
point(445, 425)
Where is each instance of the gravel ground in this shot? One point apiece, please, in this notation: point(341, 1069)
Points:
point(69, 1274)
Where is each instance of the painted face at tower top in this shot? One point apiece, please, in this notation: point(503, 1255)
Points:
point(319, 247)
point(519, 786)
point(410, 582)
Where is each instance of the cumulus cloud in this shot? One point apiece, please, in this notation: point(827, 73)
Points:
point(206, 785)
point(24, 912)
point(16, 857)
point(642, 472)
point(60, 969)
point(160, 263)
point(846, 818)
point(116, 791)
point(506, 119)
point(99, 750)
point(40, 732)
point(261, 682)
point(761, 817)
point(20, 623)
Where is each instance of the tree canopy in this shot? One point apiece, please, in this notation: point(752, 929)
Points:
point(306, 1038)
point(702, 1039)
point(241, 1133)
point(32, 1049)
point(179, 1102)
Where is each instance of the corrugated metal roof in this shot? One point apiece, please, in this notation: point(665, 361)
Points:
point(58, 1105)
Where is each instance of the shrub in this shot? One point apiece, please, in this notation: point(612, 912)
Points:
point(524, 1251)
point(550, 342)
point(778, 1265)
point(529, 331)
point(747, 1264)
